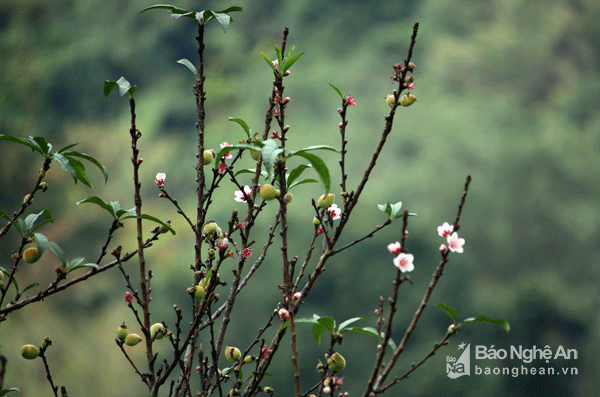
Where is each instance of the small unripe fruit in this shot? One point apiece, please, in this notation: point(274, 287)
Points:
point(132, 339)
point(1, 284)
point(1, 275)
point(30, 352)
point(31, 255)
point(43, 186)
point(211, 253)
point(316, 221)
point(325, 201)
point(199, 292)
point(209, 156)
point(233, 354)
point(288, 197)
point(268, 192)
point(336, 362)
point(211, 227)
point(248, 359)
point(407, 100)
point(390, 100)
point(255, 153)
point(411, 66)
point(26, 198)
point(268, 389)
point(122, 332)
point(46, 342)
point(320, 367)
point(157, 331)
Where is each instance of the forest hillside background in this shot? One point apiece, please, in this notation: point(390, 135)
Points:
point(508, 92)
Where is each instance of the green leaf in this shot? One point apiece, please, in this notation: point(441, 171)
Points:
point(295, 173)
point(35, 147)
point(328, 323)
point(189, 65)
point(222, 18)
point(373, 331)
point(270, 152)
point(243, 124)
point(91, 160)
point(288, 64)
point(60, 254)
point(251, 171)
point(30, 286)
point(302, 182)
point(98, 201)
point(337, 90)
point(319, 166)
point(393, 210)
point(498, 321)
point(269, 61)
point(79, 169)
point(169, 8)
point(123, 85)
point(318, 330)
point(449, 311)
point(76, 264)
point(67, 147)
point(5, 215)
point(42, 242)
point(343, 326)
point(32, 218)
point(4, 392)
point(150, 218)
point(44, 146)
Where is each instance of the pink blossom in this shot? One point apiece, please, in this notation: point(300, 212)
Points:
point(320, 229)
point(445, 230)
point(404, 262)
point(226, 155)
point(222, 167)
point(276, 63)
point(283, 314)
point(334, 212)
point(223, 243)
point(265, 352)
point(394, 248)
point(455, 244)
point(274, 134)
point(160, 178)
point(240, 196)
point(297, 295)
point(246, 252)
point(128, 297)
point(410, 86)
point(442, 248)
point(351, 101)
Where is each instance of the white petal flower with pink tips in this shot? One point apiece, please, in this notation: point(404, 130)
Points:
point(445, 230)
point(455, 244)
point(394, 248)
point(334, 212)
point(228, 154)
point(404, 262)
point(239, 195)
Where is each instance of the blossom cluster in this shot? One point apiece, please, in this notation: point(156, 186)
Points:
point(455, 243)
point(402, 261)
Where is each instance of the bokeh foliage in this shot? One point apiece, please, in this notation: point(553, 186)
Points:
point(508, 92)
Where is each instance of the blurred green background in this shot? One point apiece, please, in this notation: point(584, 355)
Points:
point(508, 93)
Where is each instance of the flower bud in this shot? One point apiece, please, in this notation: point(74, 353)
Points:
point(268, 192)
point(326, 201)
point(27, 197)
point(407, 100)
point(320, 367)
point(122, 332)
point(453, 328)
point(46, 342)
point(132, 339)
point(411, 66)
point(288, 197)
point(336, 362)
point(30, 352)
point(31, 255)
point(268, 389)
point(157, 331)
point(43, 186)
point(390, 100)
point(209, 156)
point(233, 354)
